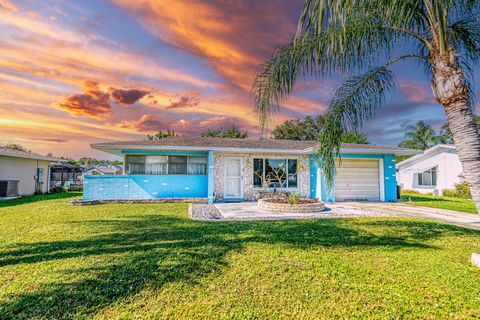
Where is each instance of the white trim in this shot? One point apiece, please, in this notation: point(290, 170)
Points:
point(420, 156)
point(242, 194)
point(381, 177)
point(117, 149)
point(318, 192)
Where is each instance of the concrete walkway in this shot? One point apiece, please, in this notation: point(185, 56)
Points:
point(466, 220)
point(250, 211)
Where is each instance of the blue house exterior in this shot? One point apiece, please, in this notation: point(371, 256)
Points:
point(215, 169)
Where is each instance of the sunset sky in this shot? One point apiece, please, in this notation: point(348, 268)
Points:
point(74, 73)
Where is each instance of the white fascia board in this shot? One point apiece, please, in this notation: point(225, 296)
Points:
point(425, 154)
point(379, 151)
point(375, 151)
point(31, 157)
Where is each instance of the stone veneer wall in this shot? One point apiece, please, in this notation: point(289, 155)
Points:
point(251, 191)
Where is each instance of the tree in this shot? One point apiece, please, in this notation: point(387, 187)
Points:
point(232, 132)
point(162, 135)
point(354, 137)
point(299, 129)
point(308, 129)
point(15, 146)
point(359, 38)
point(420, 136)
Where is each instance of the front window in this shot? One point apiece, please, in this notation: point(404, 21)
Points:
point(275, 172)
point(166, 165)
point(428, 178)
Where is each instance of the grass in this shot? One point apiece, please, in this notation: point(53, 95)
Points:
point(456, 204)
point(150, 261)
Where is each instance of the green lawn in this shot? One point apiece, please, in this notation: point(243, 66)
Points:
point(457, 204)
point(150, 261)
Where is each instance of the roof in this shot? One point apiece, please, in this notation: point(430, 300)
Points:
point(438, 148)
point(105, 168)
point(240, 145)
point(65, 165)
point(25, 155)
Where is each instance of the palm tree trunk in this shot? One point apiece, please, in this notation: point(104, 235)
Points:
point(451, 90)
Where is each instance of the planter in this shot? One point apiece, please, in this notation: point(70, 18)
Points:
point(275, 206)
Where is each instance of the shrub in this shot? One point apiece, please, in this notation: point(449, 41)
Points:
point(294, 198)
point(57, 189)
point(462, 190)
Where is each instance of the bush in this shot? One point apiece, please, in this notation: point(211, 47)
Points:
point(462, 190)
point(58, 189)
point(294, 198)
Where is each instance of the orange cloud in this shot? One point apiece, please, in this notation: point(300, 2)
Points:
point(233, 36)
point(92, 103)
point(7, 5)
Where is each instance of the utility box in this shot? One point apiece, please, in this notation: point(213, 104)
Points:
point(40, 175)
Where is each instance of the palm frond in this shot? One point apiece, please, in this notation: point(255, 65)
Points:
point(358, 45)
point(354, 102)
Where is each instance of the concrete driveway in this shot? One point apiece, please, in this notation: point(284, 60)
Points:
point(466, 220)
point(250, 211)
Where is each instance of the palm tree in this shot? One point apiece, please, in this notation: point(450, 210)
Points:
point(361, 38)
point(420, 136)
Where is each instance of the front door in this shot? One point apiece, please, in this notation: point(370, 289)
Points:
point(233, 188)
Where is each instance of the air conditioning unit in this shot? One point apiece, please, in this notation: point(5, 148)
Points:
point(8, 188)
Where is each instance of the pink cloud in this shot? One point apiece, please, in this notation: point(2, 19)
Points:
point(185, 101)
point(416, 92)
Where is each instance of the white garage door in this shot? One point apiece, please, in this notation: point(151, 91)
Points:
point(357, 179)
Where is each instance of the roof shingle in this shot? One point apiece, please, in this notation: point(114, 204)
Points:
point(209, 142)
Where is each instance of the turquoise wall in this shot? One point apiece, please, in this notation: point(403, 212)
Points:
point(144, 187)
point(389, 172)
point(149, 186)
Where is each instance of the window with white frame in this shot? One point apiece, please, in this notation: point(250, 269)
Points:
point(428, 178)
point(276, 172)
point(166, 165)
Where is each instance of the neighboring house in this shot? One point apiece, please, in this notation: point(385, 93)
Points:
point(222, 169)
point(434, 170)
point(23, 173)
point(64, 174)
point(101, 169)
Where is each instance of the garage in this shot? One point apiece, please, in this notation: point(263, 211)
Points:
point(357, 180)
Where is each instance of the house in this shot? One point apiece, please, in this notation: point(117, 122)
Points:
point(101, 169)
point(435, 170)
point(64, 174)
point(23, 173)
point(222, 169)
